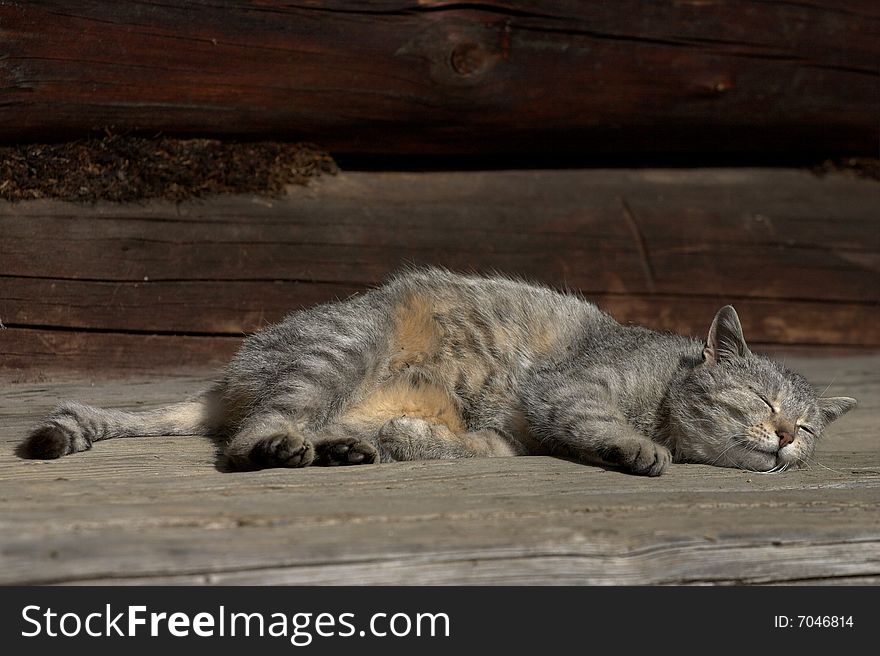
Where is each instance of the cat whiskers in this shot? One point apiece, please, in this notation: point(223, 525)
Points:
point(737, 439)
point(778, 469)
point(828, 386)
point(807, 460)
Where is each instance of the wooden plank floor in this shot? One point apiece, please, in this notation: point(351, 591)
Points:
point(157, 511)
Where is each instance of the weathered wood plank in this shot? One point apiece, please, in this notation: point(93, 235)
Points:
point(611, 543)
point(399, 76)
point(584, 228)
point(470, 522)
point(237, 307)
point(157, 511)
point(217, 307)
point(30, 354)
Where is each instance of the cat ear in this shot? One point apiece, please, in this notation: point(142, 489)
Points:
point(835, 407)
point(725, 338)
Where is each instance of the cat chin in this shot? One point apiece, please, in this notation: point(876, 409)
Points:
point(760, 461)
point(750, 460)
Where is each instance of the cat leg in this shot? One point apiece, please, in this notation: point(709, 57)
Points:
point(579, 417)
point(412, 438)
point(600, 437)
point(619, 445)
point(292, 380)
point(73, 427)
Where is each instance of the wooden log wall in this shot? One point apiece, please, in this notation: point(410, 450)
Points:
point(593, 79)
point(155, 286)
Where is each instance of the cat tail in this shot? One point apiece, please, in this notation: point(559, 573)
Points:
point(73, 427)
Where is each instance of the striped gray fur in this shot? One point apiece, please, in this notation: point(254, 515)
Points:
point(439, 365)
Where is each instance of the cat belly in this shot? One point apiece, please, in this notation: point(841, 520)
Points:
point(409, 395)
point(456, 364)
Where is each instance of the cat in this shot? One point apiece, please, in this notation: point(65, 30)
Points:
point(435, 365)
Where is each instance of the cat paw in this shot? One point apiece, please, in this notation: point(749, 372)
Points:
point(643, 457)
point(60, 434)
point(282, 450)
point(345, 451)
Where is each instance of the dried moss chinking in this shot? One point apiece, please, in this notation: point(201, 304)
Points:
point(127, 168)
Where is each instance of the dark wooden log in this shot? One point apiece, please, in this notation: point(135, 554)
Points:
point(595, 79)
point(799, 256)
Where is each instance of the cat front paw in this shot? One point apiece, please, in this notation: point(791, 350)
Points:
point(641, 457)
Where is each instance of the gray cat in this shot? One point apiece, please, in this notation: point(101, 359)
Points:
point(438, 365)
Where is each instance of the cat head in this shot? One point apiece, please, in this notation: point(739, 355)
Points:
point(738, 409)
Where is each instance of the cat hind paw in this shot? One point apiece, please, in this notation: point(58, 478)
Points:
point(60, 434)
point(282, 450)
point(345, 451)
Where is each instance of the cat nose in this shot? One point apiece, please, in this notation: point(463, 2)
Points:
point(785, 438)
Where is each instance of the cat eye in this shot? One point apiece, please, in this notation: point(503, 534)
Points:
point(808, 430)
point(764, 399)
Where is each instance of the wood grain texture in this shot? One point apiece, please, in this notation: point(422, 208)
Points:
point(595, 79)
point(129, 287)
point(156, 511)
point(29, 354)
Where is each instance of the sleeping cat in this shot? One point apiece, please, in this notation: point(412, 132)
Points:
point(439, 365)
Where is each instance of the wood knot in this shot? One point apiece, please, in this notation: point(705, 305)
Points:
point(470, 58)
point(460, 52)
